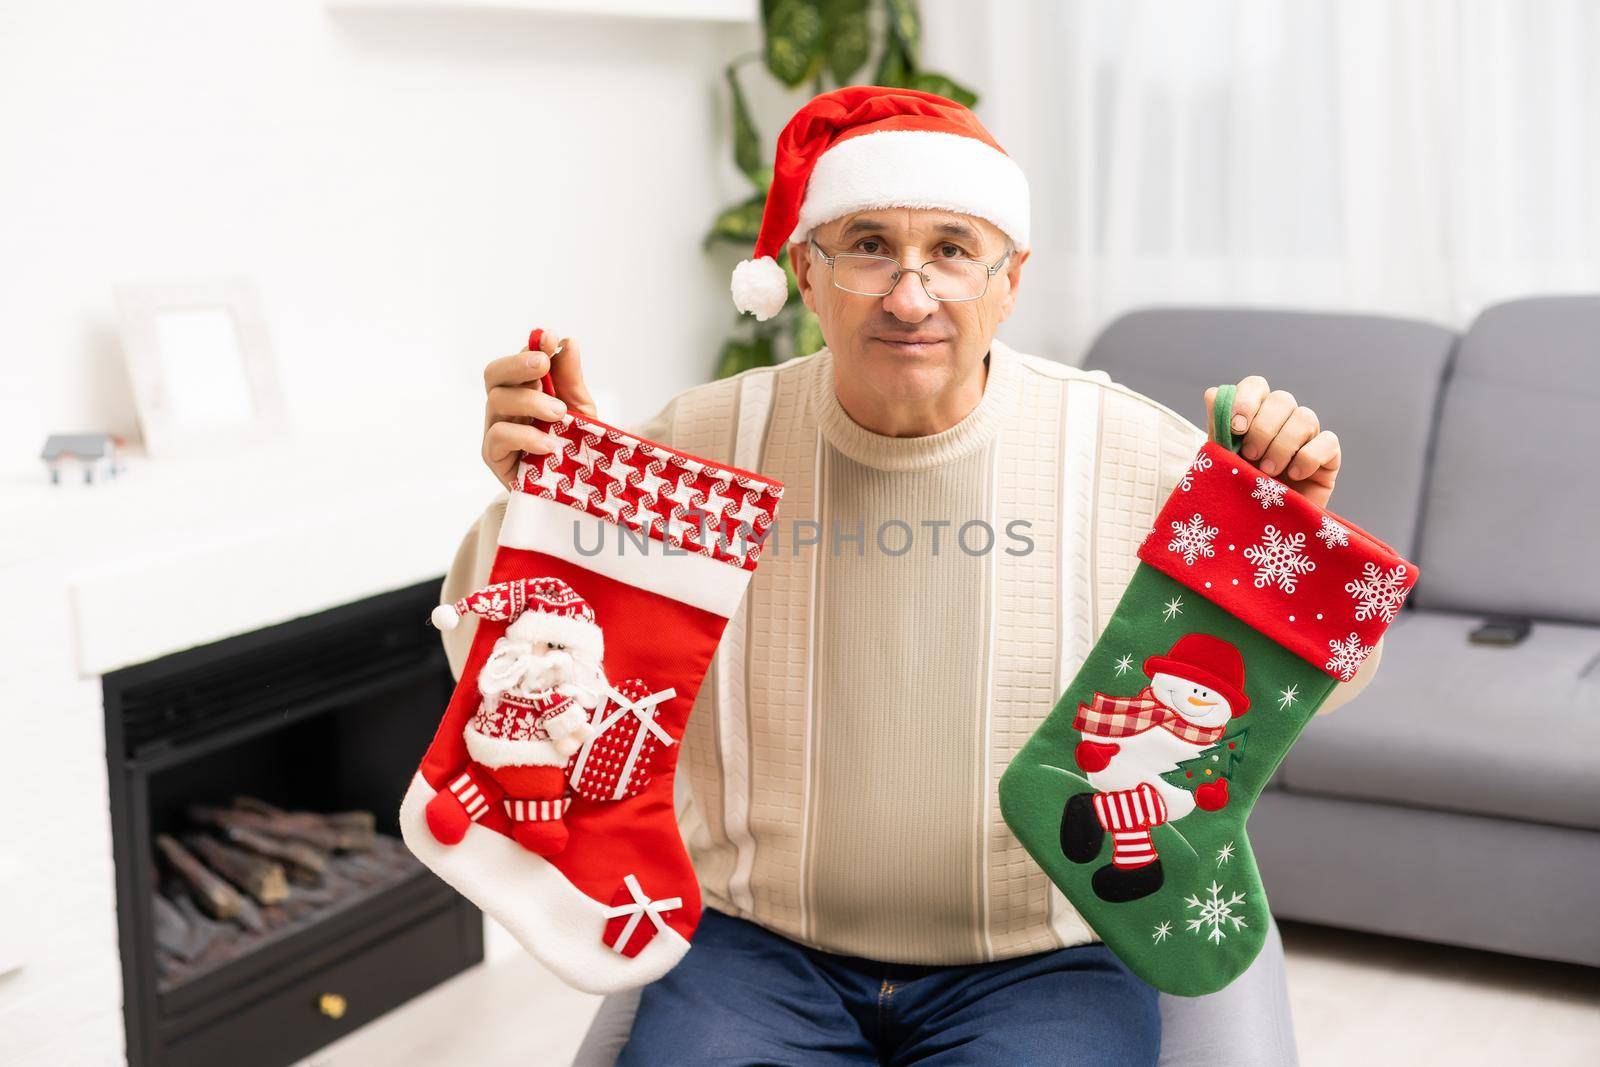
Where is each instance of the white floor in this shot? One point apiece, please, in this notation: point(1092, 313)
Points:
point(1376, 1000)
point(1357, 999)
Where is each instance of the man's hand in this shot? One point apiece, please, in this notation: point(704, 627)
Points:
point(1283, 438)
point(516, 399)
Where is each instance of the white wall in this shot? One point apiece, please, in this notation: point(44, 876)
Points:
point(412, 190)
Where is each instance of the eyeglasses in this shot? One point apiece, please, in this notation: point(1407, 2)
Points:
point(947, 280)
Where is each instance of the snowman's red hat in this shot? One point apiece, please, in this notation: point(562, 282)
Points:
point(871, 146)
point(1208, 661)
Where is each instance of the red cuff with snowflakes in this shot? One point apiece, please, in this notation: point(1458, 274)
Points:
point(1322, 587)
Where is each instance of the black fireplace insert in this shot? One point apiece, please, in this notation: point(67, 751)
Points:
point(265, 904)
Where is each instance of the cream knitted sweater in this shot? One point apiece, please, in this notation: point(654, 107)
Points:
point(838, 776)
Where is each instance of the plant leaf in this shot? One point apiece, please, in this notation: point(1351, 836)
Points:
point(793, 40)
point(762, 351)
point(788, 273)
point(893, 69)
point(735, 357)
point(739, 224)
point(849, 38)
point(943, 86)
point(746, 141)
point(742, 355)
point(905, 26)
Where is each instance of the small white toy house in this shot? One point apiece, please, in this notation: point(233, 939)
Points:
point(93, 456)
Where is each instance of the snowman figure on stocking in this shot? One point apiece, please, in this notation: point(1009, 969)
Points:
point(1129, 743)
point(539, 687)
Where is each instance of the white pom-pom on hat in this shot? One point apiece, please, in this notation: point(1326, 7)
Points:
point(444, 617)
point(760, 286)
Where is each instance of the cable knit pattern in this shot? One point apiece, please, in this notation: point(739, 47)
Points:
point(837, 780)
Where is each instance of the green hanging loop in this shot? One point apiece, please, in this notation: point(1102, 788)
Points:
point(1222, 419)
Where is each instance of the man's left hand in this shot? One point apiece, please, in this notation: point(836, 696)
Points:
point(1283, 437)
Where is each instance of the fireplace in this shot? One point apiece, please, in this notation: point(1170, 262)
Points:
point(255, 756)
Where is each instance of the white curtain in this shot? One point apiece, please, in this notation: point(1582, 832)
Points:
point(1416, 157)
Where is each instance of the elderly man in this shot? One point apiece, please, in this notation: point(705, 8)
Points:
point(865, 899)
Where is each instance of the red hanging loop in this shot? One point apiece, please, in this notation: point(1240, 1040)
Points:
point(547, 383)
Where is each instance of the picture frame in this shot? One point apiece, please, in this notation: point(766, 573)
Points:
point(200, 363)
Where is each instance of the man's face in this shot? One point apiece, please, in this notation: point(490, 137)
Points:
point(907, 346)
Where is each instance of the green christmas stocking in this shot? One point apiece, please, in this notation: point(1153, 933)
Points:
point(1248, 605)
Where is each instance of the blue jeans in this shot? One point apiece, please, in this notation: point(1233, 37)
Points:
point(744, 995)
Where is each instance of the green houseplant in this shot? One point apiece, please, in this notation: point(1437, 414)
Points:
point(826, 43)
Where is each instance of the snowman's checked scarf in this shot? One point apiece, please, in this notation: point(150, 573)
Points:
point(1109, 716)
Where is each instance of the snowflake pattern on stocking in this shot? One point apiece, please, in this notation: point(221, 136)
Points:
point(1280, 559)
point(1345, 657)
point(1241, 541)
point(1192, 539)
point(1162, 931)
point(1332, 534)
point(1201, 463)
point(1270, 492)
point(1215, 914)
point(1378, 593)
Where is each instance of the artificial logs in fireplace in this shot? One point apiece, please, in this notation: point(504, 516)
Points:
point(250, 871)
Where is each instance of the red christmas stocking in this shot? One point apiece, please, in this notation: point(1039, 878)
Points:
point(546, 797)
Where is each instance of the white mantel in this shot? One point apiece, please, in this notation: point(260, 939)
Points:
point(170, 555)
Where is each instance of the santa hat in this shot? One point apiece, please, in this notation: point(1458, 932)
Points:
point(870, 146)
point(546, 607)
point(1208, 661)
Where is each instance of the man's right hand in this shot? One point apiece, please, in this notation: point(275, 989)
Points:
point(515, 399)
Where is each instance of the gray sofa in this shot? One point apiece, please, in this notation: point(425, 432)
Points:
point(1458, 799)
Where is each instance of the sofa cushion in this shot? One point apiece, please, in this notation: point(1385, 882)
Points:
point(1496, 884)
point(1446, 724)
point(1512, 516)
point(1374, 381)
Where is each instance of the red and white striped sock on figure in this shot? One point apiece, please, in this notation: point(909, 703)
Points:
point(546, 797)
point(466, 800)
point(1129, 814)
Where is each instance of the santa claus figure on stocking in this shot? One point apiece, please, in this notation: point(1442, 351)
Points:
point(539, 687)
